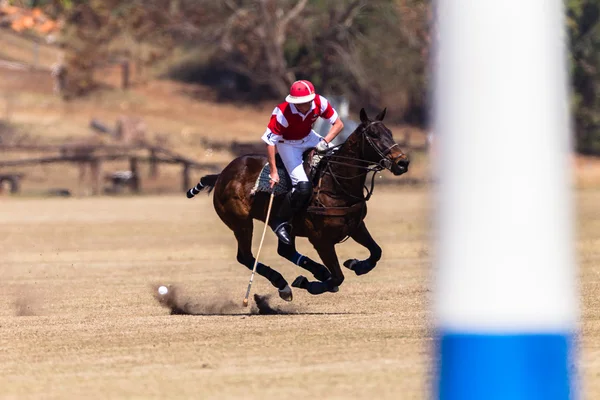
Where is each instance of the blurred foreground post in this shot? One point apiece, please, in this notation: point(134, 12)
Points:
point(505, 300)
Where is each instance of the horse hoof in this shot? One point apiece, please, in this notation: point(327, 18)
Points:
point(359, 267)
point(300, 282)
point(286, 293)
point(350, 264)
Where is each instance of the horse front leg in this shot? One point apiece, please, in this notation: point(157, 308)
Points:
point(289, 252)
point(329, 257)
point(362, 236)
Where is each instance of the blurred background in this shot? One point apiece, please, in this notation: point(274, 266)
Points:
point(101, 96)
point(106, 96)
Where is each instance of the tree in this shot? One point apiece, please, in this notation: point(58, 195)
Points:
point(583, 21)
point(374, 52)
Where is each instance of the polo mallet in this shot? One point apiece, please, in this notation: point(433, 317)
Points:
point(259, 247)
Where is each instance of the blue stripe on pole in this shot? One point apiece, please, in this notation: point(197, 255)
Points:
point(505, 367)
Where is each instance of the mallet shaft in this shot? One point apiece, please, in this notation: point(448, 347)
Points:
point(259, 248)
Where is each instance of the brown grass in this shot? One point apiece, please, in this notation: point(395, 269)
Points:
point(98, 331)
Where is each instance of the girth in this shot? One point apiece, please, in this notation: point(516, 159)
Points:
point(336, 211)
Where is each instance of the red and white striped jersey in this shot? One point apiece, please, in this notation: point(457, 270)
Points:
point(288, 122)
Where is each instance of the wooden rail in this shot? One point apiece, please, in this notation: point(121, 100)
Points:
point(93, 156)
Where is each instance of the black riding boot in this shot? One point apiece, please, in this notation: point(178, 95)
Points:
point(293, 202)
point(281, 220)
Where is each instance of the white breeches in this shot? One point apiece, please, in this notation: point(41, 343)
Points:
point(291, 155)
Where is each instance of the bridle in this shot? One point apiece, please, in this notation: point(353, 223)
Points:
point(384, 162)
point(367, 167)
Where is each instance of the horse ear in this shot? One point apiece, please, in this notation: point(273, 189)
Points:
point(363, 116)
point(381, 115)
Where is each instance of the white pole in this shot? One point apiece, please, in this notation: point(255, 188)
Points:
point(505, 300)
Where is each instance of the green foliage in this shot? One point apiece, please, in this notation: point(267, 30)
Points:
point(583, 24)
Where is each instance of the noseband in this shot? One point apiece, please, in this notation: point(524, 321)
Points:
point(366, 167)
point(384, 162)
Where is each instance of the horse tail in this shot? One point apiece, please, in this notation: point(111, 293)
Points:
point(206, 182)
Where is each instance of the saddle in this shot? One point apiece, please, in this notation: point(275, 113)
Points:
point(312, 163)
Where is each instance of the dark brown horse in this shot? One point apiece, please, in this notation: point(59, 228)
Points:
point(336, 211)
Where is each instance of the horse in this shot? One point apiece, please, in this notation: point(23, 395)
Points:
point(336, 211)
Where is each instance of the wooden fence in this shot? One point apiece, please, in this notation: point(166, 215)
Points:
point(93, 157)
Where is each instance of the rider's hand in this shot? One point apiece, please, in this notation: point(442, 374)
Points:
point(323, 146)
point(274, 178)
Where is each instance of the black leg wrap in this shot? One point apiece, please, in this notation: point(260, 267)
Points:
point(273, 276)
point(286, 251)
point(319, 271)
point(360, 267)
point(317, 288)
point(314, 287)
point(363, 267)
point(300, 282)
point(289, 252)
point(322, 287)
point(375, 255)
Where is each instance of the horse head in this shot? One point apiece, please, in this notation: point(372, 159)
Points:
point(378, 145)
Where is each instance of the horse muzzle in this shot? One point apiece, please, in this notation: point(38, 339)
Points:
point(400, 167)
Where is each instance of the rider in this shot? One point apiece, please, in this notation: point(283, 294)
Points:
point(290, 131)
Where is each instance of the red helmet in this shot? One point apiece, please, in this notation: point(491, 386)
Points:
point(301, 92)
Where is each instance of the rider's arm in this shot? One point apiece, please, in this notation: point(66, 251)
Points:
point(277, 124)
point(271, 157)
point(335, 129)
point(328, 113)
point(270, 139)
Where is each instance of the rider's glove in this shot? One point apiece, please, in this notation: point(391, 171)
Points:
point(323, 146)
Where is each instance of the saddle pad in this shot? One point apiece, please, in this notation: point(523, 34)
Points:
point(263, 184)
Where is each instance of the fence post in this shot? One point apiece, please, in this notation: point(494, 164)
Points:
point(95, 169)
point(81, 178)
point(186, 176)
point(153, 164)
point(15, 184)
point(125, 75)
point(135, 180)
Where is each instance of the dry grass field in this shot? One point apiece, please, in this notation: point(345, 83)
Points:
point(78, 317)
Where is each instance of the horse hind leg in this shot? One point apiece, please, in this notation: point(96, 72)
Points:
point(243, 234)
point(362, 236)
point(289, 252)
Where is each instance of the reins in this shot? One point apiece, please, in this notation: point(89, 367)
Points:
point(368, 167)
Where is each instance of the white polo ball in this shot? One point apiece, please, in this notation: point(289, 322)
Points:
point(163, 290)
